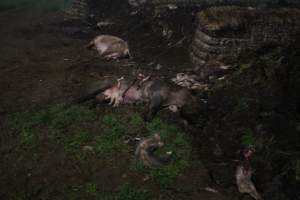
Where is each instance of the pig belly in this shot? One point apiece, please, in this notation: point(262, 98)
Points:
point(132, 96)
point(101, 48)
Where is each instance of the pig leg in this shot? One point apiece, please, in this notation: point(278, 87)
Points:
point(112, 56)
point(153, 107)
point(101, 98)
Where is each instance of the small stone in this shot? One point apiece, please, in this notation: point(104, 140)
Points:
point(158, 67)
point(88, 148)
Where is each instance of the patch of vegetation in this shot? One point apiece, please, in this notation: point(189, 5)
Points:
point(61, 117)
point(112, 136)
point(248, 138)
point(91, 188)
point(54, 119)
point(27, 123)
point(136, 121)
point(129, 192)
point(70, 127)
point(73, 145)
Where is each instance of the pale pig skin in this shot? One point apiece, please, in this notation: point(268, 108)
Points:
point(110, 47)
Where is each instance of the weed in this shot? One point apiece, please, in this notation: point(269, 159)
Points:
point(91, 188)
point(248, 139)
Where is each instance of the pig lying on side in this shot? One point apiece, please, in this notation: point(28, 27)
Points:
point(110, 47)
point(157, 94)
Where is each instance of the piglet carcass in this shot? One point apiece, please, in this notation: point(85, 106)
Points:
point(110, 47)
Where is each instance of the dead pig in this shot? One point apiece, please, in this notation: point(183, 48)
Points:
point(110, 47)
point(157, 94)
point(160, 95)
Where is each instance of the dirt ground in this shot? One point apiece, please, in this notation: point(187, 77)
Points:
point(44, 62)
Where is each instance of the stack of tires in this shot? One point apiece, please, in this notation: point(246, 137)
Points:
point(223, 33)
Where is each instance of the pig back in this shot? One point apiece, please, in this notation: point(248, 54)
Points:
point(156, 88)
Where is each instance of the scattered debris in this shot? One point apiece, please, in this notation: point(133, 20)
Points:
point(190, 81)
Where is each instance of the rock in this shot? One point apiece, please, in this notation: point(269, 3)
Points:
point(158, 67)
point(88, 148)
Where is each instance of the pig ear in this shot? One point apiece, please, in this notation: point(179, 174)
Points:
point(119, 81)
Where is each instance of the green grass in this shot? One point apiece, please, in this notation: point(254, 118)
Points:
point(53, 120)
point(75, 127)
point(129, 192)
point(112, 137)
point(248, 138)
point(136, 121)
point(126, 191)
point(91, 189)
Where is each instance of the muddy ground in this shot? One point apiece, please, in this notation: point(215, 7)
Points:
point(44, 63)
